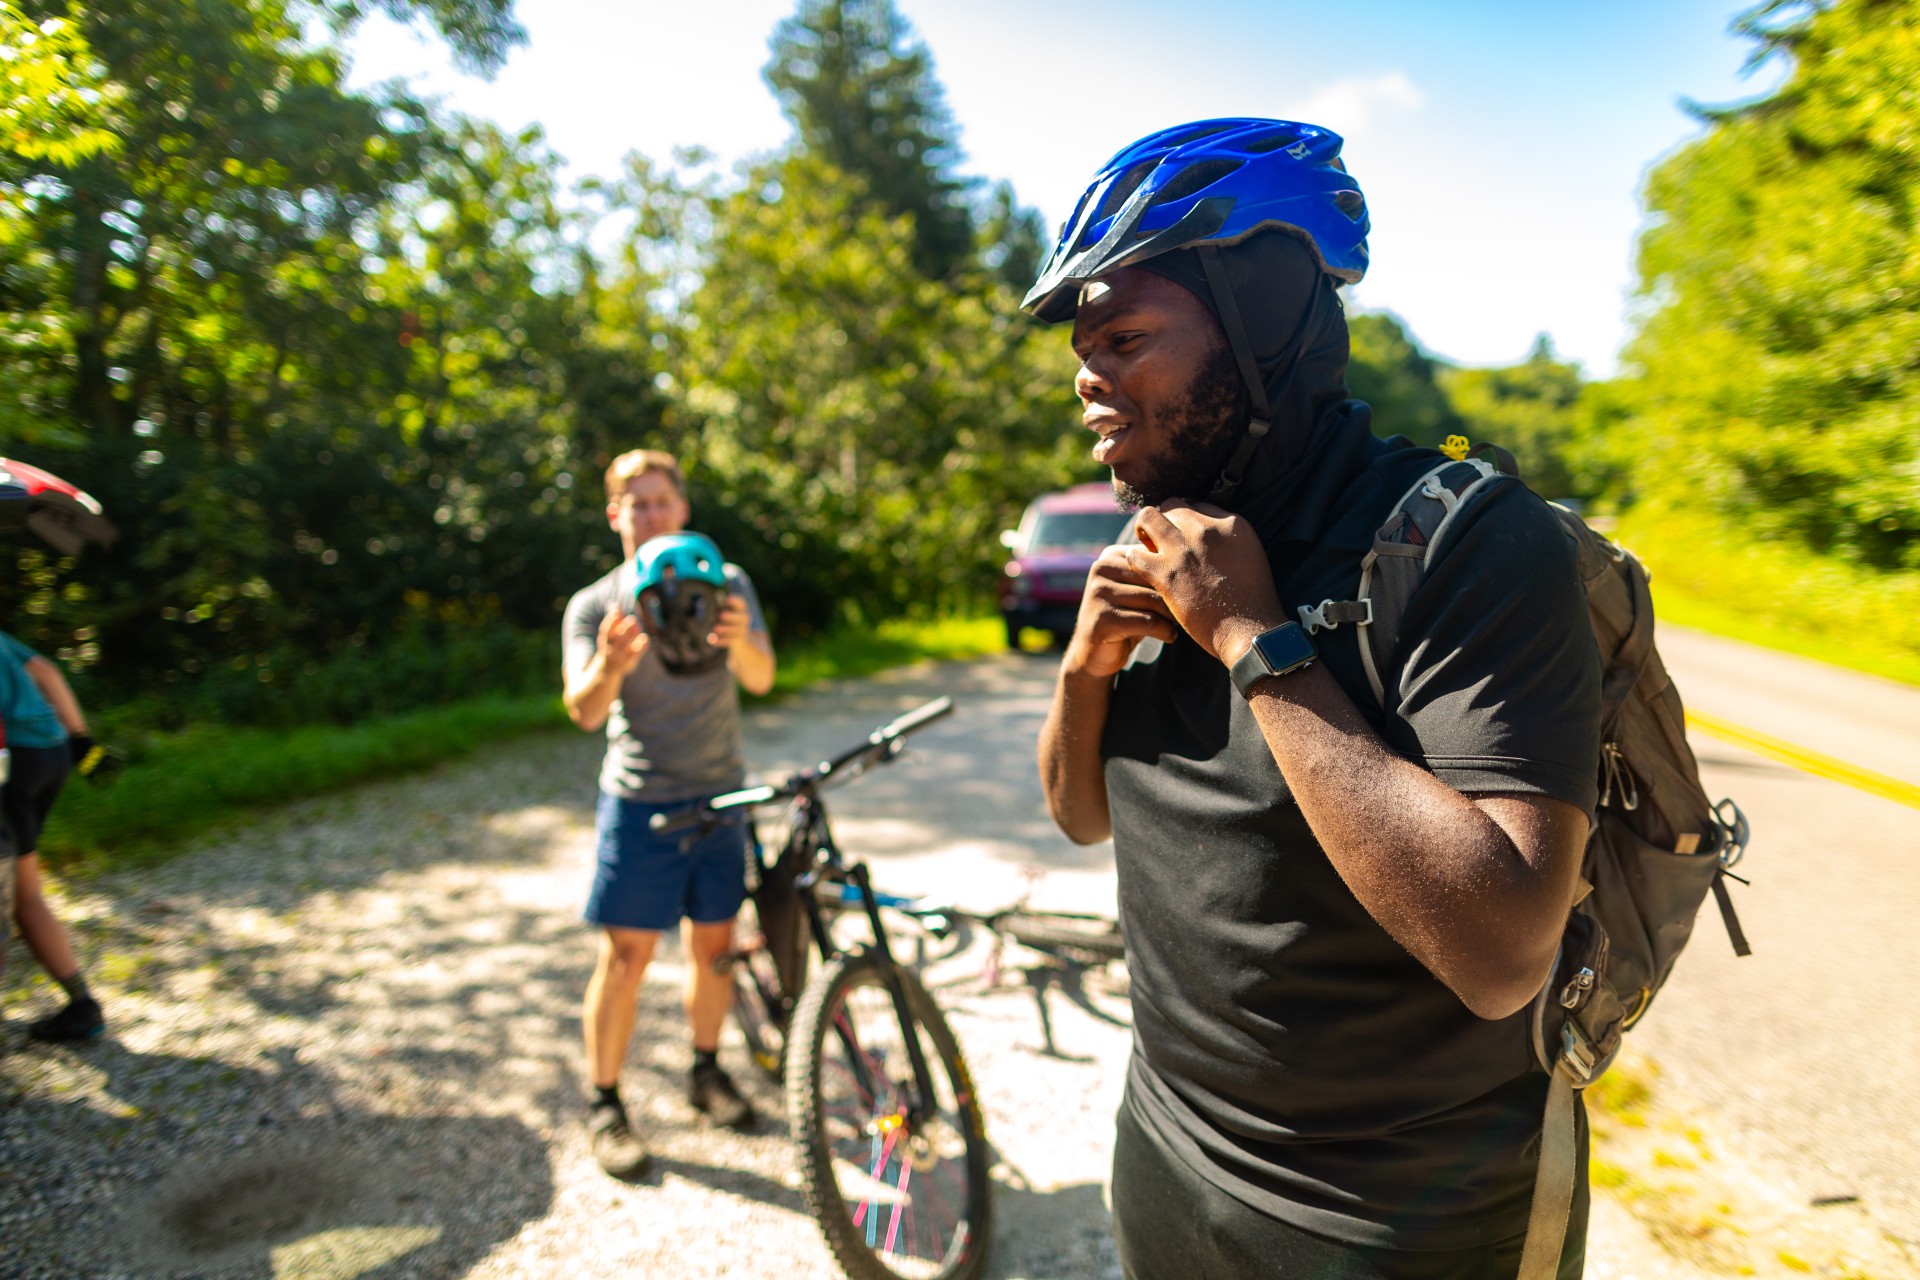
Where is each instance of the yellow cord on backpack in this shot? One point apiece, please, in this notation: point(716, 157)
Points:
point(1456, 447)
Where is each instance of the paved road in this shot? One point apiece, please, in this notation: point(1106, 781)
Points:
point(1800, 1052)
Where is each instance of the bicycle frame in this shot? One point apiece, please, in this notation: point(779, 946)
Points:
point(829, 864)
point(813, 832)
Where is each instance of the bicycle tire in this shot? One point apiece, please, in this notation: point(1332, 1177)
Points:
point(1092, 937)
point(846, 1165)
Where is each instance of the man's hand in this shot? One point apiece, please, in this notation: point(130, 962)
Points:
point(1210, 573)
point(734, 625)
point(1119, 609)
point(622, 643)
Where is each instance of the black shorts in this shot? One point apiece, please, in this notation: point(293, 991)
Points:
point(32, 786)
point(1170, 1223)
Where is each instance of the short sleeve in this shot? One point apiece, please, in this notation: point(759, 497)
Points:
point(580, 626)
point(16, 651)
point(738, 583)
point(1499, 680)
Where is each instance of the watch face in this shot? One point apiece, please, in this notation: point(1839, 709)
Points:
point(1285, 648)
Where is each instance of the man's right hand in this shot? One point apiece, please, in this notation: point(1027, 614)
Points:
point(1117, 612)
point(623, 642)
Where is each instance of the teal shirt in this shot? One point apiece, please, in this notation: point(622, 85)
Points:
point(30, 722)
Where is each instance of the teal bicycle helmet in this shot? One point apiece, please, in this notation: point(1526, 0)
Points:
point(680, 584)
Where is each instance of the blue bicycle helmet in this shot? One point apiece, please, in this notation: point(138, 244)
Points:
point(680, 583)
point(1212, 182)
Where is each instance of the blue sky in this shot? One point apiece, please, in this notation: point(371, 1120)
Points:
point(1501, 144)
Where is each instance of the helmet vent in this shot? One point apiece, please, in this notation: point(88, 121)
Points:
point(1272, 142)
point(1194, 178)
point(1191, 136)
point(1123, 186)
point(1351, 203)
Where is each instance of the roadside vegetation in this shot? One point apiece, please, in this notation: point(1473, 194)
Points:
point(185, 781)
point(345, 368)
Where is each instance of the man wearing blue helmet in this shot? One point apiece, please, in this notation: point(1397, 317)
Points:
point(1337, 907)
point(673, 736)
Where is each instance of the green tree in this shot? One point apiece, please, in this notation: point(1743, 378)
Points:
point(1401, 382)
point(861, 92)
point(55, 99)
point(1531, 409)
point(1013, 239)
point(480, 32)
point(336, 367)
point(1778, 382)
point(870, 430)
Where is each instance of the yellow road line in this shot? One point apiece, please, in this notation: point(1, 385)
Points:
point(1813, 762)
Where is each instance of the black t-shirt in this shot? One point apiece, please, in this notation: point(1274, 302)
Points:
point(1285, 1045)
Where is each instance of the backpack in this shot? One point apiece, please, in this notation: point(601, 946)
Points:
point(1657, 849)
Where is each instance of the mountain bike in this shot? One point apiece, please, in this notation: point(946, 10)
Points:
point(887, 1128)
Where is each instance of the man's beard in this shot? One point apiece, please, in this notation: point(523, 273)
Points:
point(1203, 426)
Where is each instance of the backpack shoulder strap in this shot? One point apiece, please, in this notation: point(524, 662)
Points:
point(1403, 550)
point(1553, 1182)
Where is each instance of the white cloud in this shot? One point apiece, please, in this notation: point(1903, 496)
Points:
point(1348, 106)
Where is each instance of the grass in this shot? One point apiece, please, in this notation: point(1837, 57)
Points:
point(846, 654)
point(186, 783)
point(1779, 596)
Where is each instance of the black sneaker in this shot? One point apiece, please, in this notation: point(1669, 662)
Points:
point(711, 1090)
point(80, 1020)
point(615, 1145)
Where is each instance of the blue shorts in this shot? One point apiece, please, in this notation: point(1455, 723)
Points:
point(647, 881)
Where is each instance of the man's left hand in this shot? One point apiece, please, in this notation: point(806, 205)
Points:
point(1210, 568)
point(735, 623)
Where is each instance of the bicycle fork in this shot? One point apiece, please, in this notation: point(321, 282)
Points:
point(922, 1103)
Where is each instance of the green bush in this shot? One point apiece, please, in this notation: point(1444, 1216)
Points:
point(1711, 575)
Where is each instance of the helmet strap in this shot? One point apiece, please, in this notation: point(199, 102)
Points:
point(1261, 421)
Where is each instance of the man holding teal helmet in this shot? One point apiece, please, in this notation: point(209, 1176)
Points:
point(672, 719)
point(1338, 905)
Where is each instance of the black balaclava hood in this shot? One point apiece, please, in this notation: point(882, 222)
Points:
point(1297, 331)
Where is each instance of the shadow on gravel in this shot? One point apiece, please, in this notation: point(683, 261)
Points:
point(248, 1174)
point(734, 1182)
point(1064, 1232)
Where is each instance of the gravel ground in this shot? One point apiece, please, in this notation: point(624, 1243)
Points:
point(343, 1039)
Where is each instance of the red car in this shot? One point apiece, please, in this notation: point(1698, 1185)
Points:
point(1054, 547)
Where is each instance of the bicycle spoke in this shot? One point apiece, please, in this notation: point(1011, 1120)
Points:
point(893, 1228)
point(866, 1105)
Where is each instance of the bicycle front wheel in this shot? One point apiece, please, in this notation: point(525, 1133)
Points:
point(897, 1183)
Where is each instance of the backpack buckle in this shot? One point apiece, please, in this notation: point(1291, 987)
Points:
point(1734, 832)
point(1577, 1053)
point(1330, 613)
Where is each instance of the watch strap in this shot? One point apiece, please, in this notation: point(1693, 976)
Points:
point(1274, 652)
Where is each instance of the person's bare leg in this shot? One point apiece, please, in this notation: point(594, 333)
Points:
point(708, 994)
point(8, 878)
point(45, 936)
point(709, 1088)
point(613, 994)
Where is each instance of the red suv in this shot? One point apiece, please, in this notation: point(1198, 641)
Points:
point(1054, 547)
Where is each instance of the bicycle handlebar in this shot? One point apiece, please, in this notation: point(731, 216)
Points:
point(881, 746)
